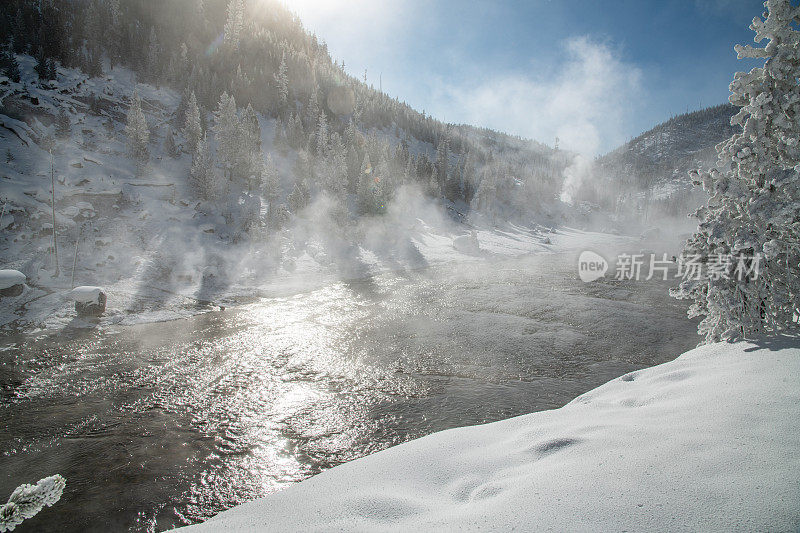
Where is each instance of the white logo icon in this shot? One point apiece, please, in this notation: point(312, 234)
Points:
point(591, 266)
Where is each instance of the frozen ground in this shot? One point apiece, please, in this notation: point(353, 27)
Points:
point(709, 441)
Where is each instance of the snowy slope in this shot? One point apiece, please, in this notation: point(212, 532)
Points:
point(710, 441)
point(669, 150)
point(159, 253)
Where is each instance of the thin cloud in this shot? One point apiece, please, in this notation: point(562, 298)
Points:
point(585, 102)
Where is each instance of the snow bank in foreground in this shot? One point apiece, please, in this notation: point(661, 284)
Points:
point(9, 278)
point(709, 441)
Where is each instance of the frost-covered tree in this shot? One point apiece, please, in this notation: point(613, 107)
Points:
point(27, 500)
point(193, 129)
point(271, 192)
point(240, 86)
point(153, 56)
point(52, 69)
point(226, 131)
point(234, 23)
point(282, 81)
point(312, 112)
point(115, 11)
point(753, 213)
point(322, 134)
point(250, 160)
point(365, 197)
point(299, 197)
point(137, 131)
point(202, 174)
point(250, 130)
point(62, 125)
point(295, 133)
point(9, 66)
point(170, 148)
point(41, 67)
point(442, 162)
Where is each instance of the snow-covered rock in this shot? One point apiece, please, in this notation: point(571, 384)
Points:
point(467, 244)
point(89, 300)
point(9, 278)
point(12, 282)
point(710, 441)
point(86, 294)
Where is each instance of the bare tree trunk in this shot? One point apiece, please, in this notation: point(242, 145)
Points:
point(53, 202)
point(75, 259)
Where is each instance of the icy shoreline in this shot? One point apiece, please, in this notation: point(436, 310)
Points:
point(708, 441)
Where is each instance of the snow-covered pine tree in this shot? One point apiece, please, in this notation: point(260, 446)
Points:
point(27, 500)
point(322, 134)
point(295, 133)
point(282, 81)
point(52, 69)
point(365, 198)
point(384, 184)
point(234, 23)
point(227, 129)
point(193, 129)
point(433, 188)
point(180, 111)
point(62, 124)
point(115, 11)
point(312, 112)
point(271, 191)
point(240, 86)
point(41, 66)
point(137, 131)
point(249, 166)
point(299, 197)
point(280, 138)
point(442, 161)
point(452, 186)
point(251, 130)
point(153, 58)
point(202, 174)
point(753, 213)
point(9, 65)
point(170, 148)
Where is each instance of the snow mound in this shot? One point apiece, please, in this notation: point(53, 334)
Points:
point(9, 278)
point(710, 441)
point(467, 244)
point(86, 294)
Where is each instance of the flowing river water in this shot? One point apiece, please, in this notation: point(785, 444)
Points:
point(159, 425)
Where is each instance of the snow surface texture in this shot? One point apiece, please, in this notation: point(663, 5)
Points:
point(9, 278)
point(86, 294)
point(710, 441)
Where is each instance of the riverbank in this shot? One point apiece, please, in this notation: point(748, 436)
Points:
point(709, 441)
point(147, 298)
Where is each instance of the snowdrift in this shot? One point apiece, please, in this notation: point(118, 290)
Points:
point(710, 441)
point(10, 278)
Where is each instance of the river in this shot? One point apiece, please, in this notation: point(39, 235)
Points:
point(159, 425)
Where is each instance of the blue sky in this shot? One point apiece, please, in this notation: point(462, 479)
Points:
point(593, 73)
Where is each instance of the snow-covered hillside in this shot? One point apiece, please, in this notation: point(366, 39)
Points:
point(647, 179)
point(195, 160)
point(669, 150)
point(710, 441)
point(158, 251)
